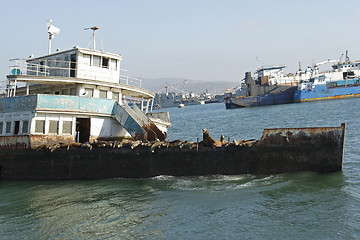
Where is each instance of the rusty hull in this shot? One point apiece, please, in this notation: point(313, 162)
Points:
point(278, 151)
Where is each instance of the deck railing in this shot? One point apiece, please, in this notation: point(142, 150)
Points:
point(55, 68)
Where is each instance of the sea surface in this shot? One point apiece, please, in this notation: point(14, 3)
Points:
point(285, 206)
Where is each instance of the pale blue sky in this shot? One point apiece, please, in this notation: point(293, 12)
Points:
point(190, 39)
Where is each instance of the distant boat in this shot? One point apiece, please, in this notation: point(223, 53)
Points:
point(171, 99)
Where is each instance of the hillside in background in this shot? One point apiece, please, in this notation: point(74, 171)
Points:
point(195, 86)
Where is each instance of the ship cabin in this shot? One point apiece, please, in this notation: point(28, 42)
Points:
point(77, 95)
point(312, 83)
point(270, 75)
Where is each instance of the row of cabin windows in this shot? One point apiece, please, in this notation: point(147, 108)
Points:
point(17, 130)
point(99, 61)
point(89, 92)
point(64, 92)
point(53, 127)
point(349, 66)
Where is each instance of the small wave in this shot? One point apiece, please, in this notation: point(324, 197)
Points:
point(163, 177)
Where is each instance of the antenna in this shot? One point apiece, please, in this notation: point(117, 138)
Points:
point(101, 45)
point(52, 30)
point(93, 35)
point(341, 57)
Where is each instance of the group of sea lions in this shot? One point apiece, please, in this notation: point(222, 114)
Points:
point(207, 141)
point(210, 142)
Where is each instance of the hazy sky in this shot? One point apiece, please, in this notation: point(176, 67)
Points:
point(190, 39)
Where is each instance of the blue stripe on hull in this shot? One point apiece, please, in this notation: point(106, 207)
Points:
point(323, 93)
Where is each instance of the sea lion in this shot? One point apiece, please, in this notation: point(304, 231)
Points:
point(86, 145)
point(175, 143)
point(54, 147)
point(209, 141)
point(156, 145)
point(190, 145)
point(134, 144)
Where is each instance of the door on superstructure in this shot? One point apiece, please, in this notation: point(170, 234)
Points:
point(82, 129)
point(73, 65)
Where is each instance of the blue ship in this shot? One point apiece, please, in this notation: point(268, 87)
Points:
point(260, 93)
point(318, 88)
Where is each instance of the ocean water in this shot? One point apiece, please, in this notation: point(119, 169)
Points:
point(285, 206)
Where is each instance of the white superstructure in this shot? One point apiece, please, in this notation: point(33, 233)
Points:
point(76, 95)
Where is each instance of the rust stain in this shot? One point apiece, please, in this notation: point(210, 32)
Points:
point(48, 140)
point(303, 135)
point(160, 135)
point(14, 142)
point(151, 135)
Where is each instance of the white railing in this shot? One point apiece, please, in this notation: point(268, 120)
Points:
point(41, 68)
point(127, 80)
point(55, 68)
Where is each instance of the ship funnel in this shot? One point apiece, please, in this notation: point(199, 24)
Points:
point(248, 77)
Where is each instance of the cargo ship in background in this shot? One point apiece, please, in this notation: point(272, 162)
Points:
point(342, 82)
point(271, 87)
point(319, 89)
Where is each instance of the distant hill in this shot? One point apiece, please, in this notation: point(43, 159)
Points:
point(195, 86)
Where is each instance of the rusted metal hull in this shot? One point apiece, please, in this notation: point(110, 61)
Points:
point(278, 151)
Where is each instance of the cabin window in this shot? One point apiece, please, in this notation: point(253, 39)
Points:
point(89, 92)
point(25, 126)
point(8, 127)
point(40, 126)
point(73, 65)
point(58, 62)
point(113, 64)
point(87, 59)
point(115, 96)
point(17, 127)
point(1, 127)
point(67, 127)
point(65, 92)
point(105, 62)
point(53, 127)
point(41, 69)
point(102, 94)
point(73, 91)
point(96, 60)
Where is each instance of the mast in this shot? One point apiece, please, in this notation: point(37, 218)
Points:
point(93, 36)
point(52, 30)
